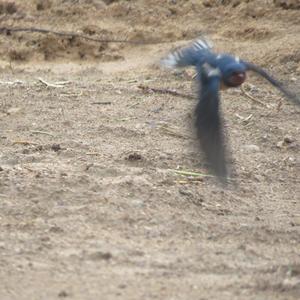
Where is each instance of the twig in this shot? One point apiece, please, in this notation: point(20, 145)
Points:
point(41, 132)
point(279, 106)
point(54, 85)
point(62, 82)
point(134, 104)
point(11, 82)
point(26, 143)
point(125, 119)
point(190, 180)
point(190, 174)
point(148, 89)
point(9, 30)
point(29, 169)
point(244, 119)
point(93, 153)
point(102, 103)
point(252, 98)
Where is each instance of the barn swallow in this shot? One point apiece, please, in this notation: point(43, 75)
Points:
point(215, 71)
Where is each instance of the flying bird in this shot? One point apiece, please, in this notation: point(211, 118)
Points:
point(215, 71)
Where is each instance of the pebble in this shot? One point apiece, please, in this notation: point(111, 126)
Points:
point(251, 148)
point(288, 139)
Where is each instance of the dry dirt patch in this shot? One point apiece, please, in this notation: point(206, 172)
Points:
point(90, 204)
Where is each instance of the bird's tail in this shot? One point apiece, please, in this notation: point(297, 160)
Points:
point(190, 55)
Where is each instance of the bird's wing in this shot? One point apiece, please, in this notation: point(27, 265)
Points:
point(191, 55)
point(208, 121)
point(290, 95)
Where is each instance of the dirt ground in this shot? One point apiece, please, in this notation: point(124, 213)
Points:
point(91, 207)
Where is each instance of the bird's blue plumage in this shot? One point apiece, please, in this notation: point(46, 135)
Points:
point(208, 121)
point(213, 71)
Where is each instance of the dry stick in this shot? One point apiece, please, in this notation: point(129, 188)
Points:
point(11, 82)
point(26, 143)
point(93, 153)
point(244, 119)
point(54, 85)
point(41, 132)
point(252, 98)
point(148, 89)
point(8, 30)
point(190, 174)
point(101, 103)
point(134, 104)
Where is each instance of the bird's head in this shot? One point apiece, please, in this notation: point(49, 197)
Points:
point(234, 75)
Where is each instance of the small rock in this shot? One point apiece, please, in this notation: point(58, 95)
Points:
point(99, 255)
point(251, 148)
point(56, 147)
point(287, 4)
point(56, 229)
point(288, 139)
point(258, 178)
point(8, 8)
point(134, 156)
point(291, 282)
point(13, 110)
point(122, 286)
point(43, 4)
point(108, 2)
point(185, 192)
point(137, 203)
point(25, 151)
point(280, 144)
point(63, 294)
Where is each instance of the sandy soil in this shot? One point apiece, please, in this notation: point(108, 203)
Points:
point(90, 207)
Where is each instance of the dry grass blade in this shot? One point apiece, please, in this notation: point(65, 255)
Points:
point(175, 132)
point(147, 89)
point(94, 153)
point(244, 119)
point(190, 173)
point(245, 93)
point(11, 82)
point(26, 143)
point(125, 119)
point(41, 132)
point(101, 103)
point(54, 85)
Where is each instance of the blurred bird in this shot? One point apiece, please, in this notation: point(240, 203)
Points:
point(215, 71)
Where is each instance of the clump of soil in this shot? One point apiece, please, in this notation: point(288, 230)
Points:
point(21, 54)
point(8, 8)
point(233, 3)
point(43, 4)
point(287, 4)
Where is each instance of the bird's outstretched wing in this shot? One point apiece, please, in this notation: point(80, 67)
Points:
point(190, 55)
point(291, 96)
point(208, 121)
